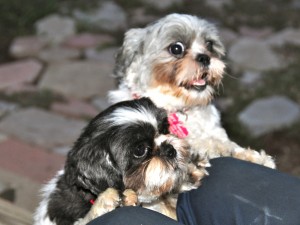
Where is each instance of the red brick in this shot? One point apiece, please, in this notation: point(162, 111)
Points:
point(29, 161)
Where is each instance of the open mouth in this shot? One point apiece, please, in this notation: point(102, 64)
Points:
point(198, 84)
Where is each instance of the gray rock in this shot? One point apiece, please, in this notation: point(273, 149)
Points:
point(269, 114)
point(57, 54)
point(55, 29)
point(108, 16)
point(288, 35)
point(79, 79)
point(250, 78)
point(42, 128)
point(27, 46)
point(252, 54)
point(162, 4)
point(105, 55)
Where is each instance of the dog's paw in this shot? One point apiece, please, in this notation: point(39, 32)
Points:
point(195, 175)
point(130, 198)
point(106, 202)
point(268, 161)
point(256, 157)
point(203, 163)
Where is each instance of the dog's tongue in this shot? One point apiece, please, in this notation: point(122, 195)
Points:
point(198, 82)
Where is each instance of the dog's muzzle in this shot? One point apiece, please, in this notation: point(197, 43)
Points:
point(167, 150)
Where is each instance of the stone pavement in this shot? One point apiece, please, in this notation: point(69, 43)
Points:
point(77, 68)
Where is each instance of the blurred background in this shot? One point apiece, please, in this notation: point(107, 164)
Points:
point(56, 61)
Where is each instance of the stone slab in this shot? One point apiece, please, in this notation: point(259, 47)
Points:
point(75, 108)
point(41, 128)
point(55, 28)
point(87, 40)
point(19, 72)
point(108, 16)
point(286, 36)
point(58, 54)
point(79, 79)
point(253, 54)
point(163, 4)
point(27, 46)
point(106, 55)
point(269, 114)
point(29, 161)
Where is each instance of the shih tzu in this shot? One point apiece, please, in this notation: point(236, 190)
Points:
point(125, 156)
point(177, 62)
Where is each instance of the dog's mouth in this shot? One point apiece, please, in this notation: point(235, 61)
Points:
point(198, 84)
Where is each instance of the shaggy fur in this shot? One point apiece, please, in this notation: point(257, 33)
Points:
point(177, 62)
point(126, 156)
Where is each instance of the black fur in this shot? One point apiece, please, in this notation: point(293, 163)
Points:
point(87, 171)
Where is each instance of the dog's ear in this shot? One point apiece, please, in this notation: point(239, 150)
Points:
point(131, 48)
point(92, 166)
point(160, 114)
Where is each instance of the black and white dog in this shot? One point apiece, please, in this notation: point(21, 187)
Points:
point(125, 156)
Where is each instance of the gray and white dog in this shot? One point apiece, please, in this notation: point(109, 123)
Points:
point(177, 62)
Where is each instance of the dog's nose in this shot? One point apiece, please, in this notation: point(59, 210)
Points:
point(168, 151)
point(203, 59)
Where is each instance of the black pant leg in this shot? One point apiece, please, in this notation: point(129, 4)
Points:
point(243, 193)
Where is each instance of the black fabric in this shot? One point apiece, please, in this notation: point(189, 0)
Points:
point(133, 216)
point(235, 193)
point(242, 193)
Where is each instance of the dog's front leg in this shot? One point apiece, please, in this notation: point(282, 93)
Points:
point(261, 157)
point(106, 202)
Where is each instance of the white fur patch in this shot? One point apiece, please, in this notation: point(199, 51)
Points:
point(41, 214)
point(128, 115)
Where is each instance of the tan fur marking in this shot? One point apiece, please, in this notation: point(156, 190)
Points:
point(130, 198)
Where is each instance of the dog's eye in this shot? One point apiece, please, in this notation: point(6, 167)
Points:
point(209, 45)
point(141, 151)
point(177, 49)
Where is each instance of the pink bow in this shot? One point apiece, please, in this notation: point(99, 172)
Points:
point(176, 126)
